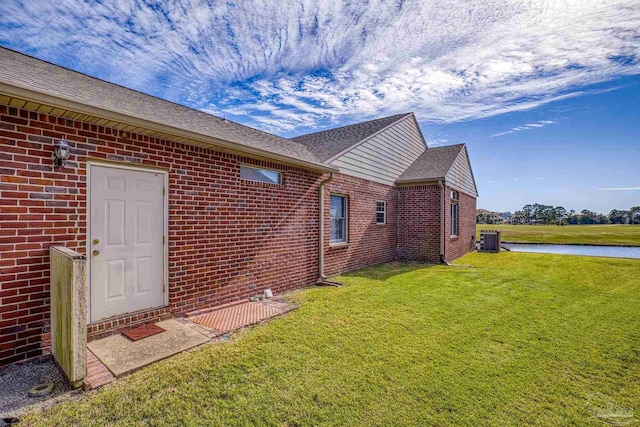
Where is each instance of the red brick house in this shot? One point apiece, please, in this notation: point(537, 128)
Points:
point(178, 210)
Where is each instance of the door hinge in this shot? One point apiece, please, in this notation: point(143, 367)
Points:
point(164, 240)
point(164, 191)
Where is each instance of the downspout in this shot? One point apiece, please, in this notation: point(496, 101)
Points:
point(321, 276)
point(443, 232)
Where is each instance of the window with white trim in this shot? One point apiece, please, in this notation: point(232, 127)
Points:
point(454, 213)
point(338, 219)
point(381, 212)
point(252, 173)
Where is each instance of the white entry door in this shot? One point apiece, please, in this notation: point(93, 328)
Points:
point(126, 248)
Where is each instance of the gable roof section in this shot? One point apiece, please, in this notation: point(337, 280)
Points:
point(460, 175)
point(385, 155)
point(433, 164)
point(450, 162)
point(41, 83)
point(330, 143)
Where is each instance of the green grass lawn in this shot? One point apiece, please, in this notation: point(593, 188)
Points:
point(500, 339)
point(617, 235)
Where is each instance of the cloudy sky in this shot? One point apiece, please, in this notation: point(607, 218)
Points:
point(545, 93)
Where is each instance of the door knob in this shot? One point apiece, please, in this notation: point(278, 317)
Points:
point(95, 253)
point(96, 241)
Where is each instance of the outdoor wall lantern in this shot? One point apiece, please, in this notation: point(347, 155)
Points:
point(61, 153)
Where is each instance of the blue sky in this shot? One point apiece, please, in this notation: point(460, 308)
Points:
point(544, 93)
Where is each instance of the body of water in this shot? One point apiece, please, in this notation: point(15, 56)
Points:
point(587, 250)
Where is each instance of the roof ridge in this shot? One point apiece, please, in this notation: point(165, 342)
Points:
point(447, 146)
point(352, 124)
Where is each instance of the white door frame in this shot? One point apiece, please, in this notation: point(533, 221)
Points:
point(165, 222)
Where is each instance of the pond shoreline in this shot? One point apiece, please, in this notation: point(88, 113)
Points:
point(569, 244)
point(609, 251)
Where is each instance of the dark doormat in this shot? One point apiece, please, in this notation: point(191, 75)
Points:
point(143, 331)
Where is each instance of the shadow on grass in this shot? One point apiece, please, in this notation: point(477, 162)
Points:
point(386, 270)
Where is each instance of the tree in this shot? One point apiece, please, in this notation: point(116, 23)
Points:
point(549, 214)
point(518, 217)
point(561, 215)
point(527, 210)
point(587, 217)
point(619, 217)
point(538, 213)
point(634, 215)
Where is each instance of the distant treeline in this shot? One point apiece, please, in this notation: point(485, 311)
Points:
point(545, 214)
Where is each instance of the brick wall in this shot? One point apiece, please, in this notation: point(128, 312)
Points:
point(368, 242)
point(419, 223)
point(455, 247)
point(228, 238)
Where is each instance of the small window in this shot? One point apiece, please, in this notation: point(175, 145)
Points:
point(454, 195)
point(381, 212)
point(338, 219)
point(454, 219)
point(260, 175)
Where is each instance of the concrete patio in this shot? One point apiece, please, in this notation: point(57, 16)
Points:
point(123, 356)
point(115, 356)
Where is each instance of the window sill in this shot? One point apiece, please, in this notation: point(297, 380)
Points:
point(382, 225)
point(338, 245)
point(261, 183)
point(452, 238)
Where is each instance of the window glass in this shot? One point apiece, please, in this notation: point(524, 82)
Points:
point(454, 219)
point(381, 212)
point(338, 219)
point(260, 175)
point(337, 206)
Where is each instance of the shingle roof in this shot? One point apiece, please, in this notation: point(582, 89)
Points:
point(433, 163)
point(328, 143)
point(23, 76)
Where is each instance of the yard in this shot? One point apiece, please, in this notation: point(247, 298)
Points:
point(616, 235)
point(504, 339)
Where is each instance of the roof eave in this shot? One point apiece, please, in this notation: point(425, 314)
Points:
point(57, 102)
point(418, 181)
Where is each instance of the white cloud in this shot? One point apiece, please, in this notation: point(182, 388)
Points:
point(528, 126)
point(333, 61)
point(502, 133)
point(619, 189)
point(437, 142)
